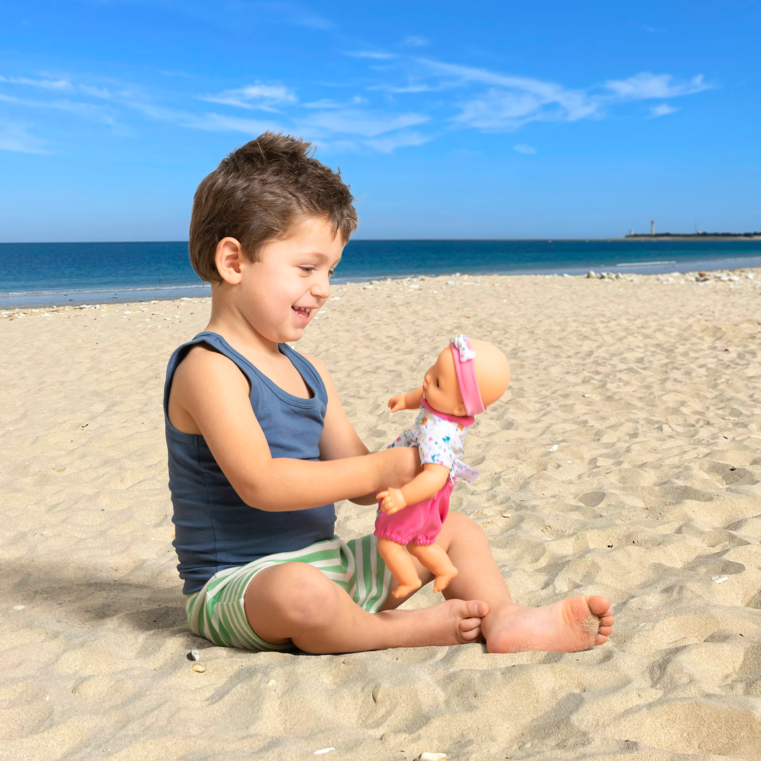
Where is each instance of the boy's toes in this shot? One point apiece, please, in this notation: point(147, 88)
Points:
point(605, 630)
point(468, 624)
point(477, 608)
point(598, 605)
point(600, 639)
point(472, 635)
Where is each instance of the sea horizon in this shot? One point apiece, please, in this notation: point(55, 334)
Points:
point(120, 271)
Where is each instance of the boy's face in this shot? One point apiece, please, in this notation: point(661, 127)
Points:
point(440, 386)
point(285, 288)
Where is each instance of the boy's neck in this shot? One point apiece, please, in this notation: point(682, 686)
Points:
point(229, 322)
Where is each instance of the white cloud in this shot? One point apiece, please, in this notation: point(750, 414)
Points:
point(298, 15)
point(210, 122)
point(47, 84)
point(87, 110)
point(376, 56)
point(257, 96)
point(14, 138)
point(357, 100)
point(499, 102)
point(645, 86)
point(511, 101)
point(402, 140)
point(403, 89)
point(415, 41)
point(511, 108)
point(476, 98)
point(663, 110)
point(364, 123)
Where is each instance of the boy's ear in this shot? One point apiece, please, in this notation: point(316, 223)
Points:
point(228, 259)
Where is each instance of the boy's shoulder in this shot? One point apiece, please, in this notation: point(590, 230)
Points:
point(321, 369)
point(322, 372)
point(205, 368)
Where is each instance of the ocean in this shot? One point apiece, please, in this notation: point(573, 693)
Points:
point(48, 274)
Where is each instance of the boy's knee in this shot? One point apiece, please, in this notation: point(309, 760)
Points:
point(302, 595)
point(459, 526)
point(460, 522)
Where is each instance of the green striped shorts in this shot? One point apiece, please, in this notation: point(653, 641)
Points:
point(217, 612)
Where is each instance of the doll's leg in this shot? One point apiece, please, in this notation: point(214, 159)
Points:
point(400, 565)
point(433, 557)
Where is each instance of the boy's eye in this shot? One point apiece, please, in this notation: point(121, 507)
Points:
point(307, 269)
point(331, 273)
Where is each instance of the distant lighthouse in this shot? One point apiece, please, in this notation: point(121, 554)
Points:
point(652, 227)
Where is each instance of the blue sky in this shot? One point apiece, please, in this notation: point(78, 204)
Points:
point(482, 120)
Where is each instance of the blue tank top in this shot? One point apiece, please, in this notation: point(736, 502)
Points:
point(214, 528)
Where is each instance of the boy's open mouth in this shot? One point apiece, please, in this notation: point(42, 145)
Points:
point(303, 312)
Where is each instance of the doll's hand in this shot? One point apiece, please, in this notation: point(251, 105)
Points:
point(397, 403)
point(393, 501)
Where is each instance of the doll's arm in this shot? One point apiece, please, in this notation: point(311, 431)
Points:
point(409, 401)
point(422, 487)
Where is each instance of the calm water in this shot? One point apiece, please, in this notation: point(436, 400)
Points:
point(59, 273)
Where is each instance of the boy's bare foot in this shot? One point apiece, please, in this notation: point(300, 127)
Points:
point(567, 626)
point(454, 622)
point(442, 582)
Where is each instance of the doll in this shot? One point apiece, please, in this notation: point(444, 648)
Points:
point(465, 379)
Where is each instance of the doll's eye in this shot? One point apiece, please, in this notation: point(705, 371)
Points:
point(437, 382)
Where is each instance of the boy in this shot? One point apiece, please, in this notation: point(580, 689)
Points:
point(260, 447)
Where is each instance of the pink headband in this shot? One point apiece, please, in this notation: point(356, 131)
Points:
point(464, 366)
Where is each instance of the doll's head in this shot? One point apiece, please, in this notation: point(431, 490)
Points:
point(467, 377)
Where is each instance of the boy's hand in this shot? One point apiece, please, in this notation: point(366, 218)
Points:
point(393, 501)
point(397, 403)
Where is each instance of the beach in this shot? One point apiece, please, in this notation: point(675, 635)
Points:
point(624, 460)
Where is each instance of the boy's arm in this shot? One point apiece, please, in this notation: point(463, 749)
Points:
point(409, 401)
point(215, 394)
point(422, 487)
point(340, 440)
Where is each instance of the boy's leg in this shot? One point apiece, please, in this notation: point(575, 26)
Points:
point(296, 602)
point(567, 626)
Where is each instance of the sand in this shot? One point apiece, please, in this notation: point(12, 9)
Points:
point(624, 460)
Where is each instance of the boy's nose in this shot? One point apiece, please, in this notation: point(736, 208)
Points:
point(321, 288)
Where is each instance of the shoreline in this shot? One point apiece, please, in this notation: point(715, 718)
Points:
point(691, 238)
point(89, 297)
point(750, 276)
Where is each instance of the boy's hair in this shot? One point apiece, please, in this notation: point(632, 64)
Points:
point(258, 193)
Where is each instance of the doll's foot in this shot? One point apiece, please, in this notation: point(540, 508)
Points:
point(406, 589)
point(567, 626)
point(442, 582)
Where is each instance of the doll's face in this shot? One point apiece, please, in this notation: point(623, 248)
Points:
point(440, 386)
